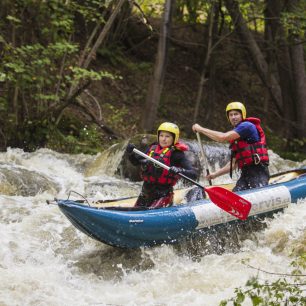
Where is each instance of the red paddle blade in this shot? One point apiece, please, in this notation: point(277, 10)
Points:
point(229, 201)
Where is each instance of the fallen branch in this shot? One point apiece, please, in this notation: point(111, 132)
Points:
point(96, 120)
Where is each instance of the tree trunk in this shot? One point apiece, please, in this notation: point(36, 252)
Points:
point(92, 53)
point(258, 58)
point(103, 33)
point(299, 77)
point(75, 90)
point(205, 64)
point(281, 57)
point(289, 56)
point(157, 80)
point(298, 64)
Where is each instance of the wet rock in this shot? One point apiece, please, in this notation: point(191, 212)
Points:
point(16, 180)
point(114, 160)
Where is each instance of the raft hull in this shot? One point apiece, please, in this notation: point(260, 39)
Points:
point(134, 229)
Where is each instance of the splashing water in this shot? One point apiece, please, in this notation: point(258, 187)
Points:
point(44, 260)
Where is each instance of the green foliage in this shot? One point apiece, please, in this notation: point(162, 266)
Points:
point(153, 8)
point(283, 291)
point(115, 56)
point(293, 149)
point(40, 61)
point(22, 136)
point(85, 139)
point(73, 137)
point(86, 74)
point(42, 43)
point(36, 67)
point(116, 116)
point(91, 9)
point(294, 20)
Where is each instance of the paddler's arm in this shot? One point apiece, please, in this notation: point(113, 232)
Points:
point(216, 135)
point(135, 159)
point(224, 170)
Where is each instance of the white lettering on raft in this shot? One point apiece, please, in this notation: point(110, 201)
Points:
point(136, 221)
point(262, 201)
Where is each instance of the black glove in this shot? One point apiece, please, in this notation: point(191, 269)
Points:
point(176, 170)
point(144, 164)
point(129, 148)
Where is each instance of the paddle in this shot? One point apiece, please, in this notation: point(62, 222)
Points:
point(223, 198)
point(203, 157)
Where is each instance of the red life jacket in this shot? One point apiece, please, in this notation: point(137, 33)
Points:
point(251, 153)
point(155, 174)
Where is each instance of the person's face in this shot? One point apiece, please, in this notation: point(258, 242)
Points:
point(235, 117)
point(165, 139)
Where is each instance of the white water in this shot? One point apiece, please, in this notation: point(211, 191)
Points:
point(44, 260)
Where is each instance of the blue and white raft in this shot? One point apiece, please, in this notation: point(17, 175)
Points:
point(129, 228)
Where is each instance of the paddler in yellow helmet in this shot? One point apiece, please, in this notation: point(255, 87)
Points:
point(248, 146)
point(157, 188)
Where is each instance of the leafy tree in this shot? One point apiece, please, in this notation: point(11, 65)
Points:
point(44, 63)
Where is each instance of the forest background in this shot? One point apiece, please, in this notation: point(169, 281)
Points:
point(78, 76)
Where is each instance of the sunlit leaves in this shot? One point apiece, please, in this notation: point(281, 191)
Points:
point(295, 22)
point(91, 10)
point(153, 8)
point(48, 58)
point(2, 77)
point(13, 19)
point(36, 63)
point(85, 74)
point(40, 51)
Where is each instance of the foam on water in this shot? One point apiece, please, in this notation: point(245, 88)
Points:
point(44, 260)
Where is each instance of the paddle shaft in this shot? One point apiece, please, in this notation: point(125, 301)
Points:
point(203, 157)
point(155, 161)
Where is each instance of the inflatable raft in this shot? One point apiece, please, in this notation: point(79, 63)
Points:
point(123, 226)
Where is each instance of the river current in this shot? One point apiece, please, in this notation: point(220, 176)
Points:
point(44, 260)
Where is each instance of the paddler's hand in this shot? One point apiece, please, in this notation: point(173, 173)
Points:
point(129, 148)
point(196, 127)
point(144, 164)
point(210, 176)
point(176, 170)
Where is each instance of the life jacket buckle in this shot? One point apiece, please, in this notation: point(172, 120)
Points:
point(256, 159)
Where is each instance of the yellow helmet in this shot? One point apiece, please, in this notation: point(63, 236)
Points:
point(236, 106)
point(171, 128)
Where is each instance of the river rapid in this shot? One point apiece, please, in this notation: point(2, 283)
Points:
point(44, 260)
